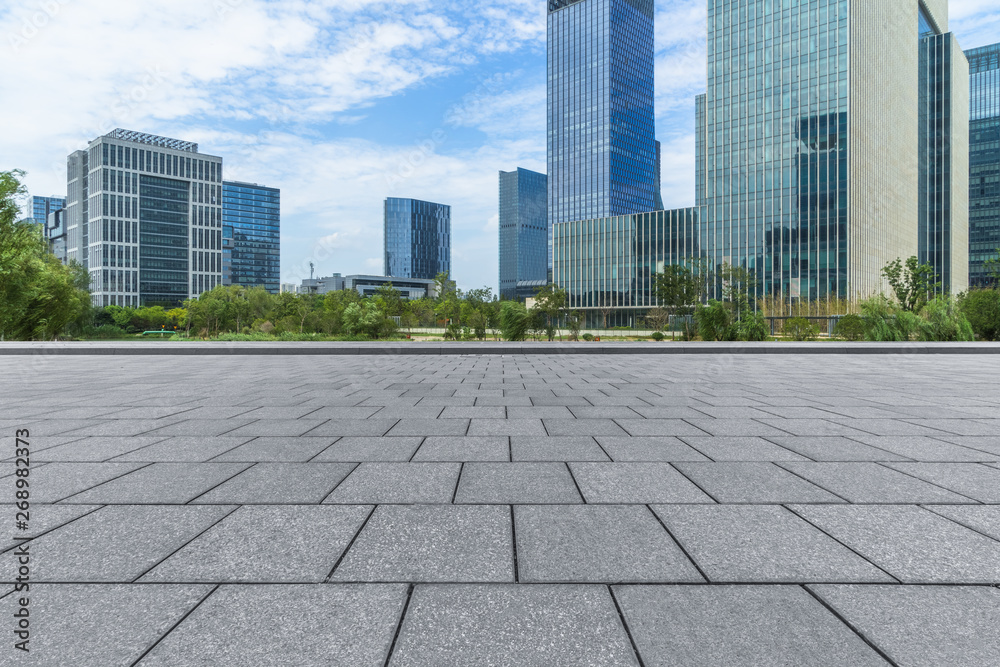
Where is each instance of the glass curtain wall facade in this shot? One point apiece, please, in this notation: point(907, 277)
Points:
point(417, 238)
point(39, 208)
point(251, 239)
point(601, 132)
point(609, 263)
point(984, 162)
point(525, 241)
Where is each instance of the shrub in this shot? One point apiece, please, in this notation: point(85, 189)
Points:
point(850, 327)
point(713, 321)
point(982, 308)
point(751, 327)
point(884, 323)
point(657, 336)
point(588, 337)
point(801, 329)
point(513, 320)
point(944, 321)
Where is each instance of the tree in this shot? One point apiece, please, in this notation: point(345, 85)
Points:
point(657, 318)
point(982, 308)
point(513, 320)
point(392, 299)
point(678, 287)
point(912, 283)
point(549, 301)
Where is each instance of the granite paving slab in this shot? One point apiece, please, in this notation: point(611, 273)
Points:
point(734, 448)
point(835, 448)
point(302, 448)
point(95, 449)
point(279, 483)
point(363, 448)
point(754, 483)
point(424, 427)
point(507, 427)
point(355, 427)
point(159, 483)
point(54, 481)
point(981, 518)
point(43, 518)
point(971, 480)
point(183, 448)
point(866, 482)
point(556, 448)
point(379, 483)
point(532, 483)
point(922, 448)
point(459, 448)
point(635, 483)
point(629, 448)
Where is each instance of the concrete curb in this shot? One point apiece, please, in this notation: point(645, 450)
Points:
point(485, 348)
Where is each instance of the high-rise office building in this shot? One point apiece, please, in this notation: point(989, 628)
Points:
point(251, 241)
point(831, 142)
point(984, 161)
point(144, 217)
point(525, 248)
point(39, 208)
point(417, 238)
point(602, 155)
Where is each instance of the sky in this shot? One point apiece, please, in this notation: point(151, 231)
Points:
point(340, 103)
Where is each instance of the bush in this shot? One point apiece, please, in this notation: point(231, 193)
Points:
point(944, 321)
point(657, 336)
point(801, 329)
point(713, 321)
point(884, 323)
point(514, 321)
point(588, 337)
point(104, 332)
point(982, 309)
point(850, 327)
point(751, 327)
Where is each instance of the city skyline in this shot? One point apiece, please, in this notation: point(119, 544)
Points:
point(340, 107)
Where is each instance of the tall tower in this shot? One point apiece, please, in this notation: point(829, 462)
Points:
point(417, 238)
point(984, 161)
point(525, 251)
point(602, 156)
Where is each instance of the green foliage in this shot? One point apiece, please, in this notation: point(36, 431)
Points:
point(513, 321)
point(588, 337)
point(368, 319)
point(940, 319)
point(713, 321)
point(730, 321)
point(912, 283)
point(885, 323)
point(657, 318)
point(801, 329)
point(679, 287)
point(943, 320)
point(850, 327)
point(574, 322)
point(982, 308)
point(549, 302)
point(750, 327)
point(657, 336)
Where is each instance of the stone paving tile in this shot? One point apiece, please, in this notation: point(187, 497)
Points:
point(604, 412)
point(204, 428)
point(913, 544)
point(886, 427)
point(762, 544)
point(380, 483)
point(266, 544)
point(354, 427)
point(277, 427)
point(506, 427)
point(507, 401)
point(753, 482)
point(123, 427)
point(150, 413)
point(734, 448)
point(199, 410)
point(344, 625)
point(959, 426)
point(160, 483)
point(471, 543)
point(983, 443)
point(659, 427)
point(117, 544)
point(565, 448)
point(184, 448)
point(277, 483)
point(538, 399)
point(922, 448)
point(811, 427)
point(597, 543)
point(867, 482)
point(635, 483)
point(924, 626)
point(55, 481)
point(475, 413)
point(835, 448)
point(517, 484)
point(984, 519)
point(421, 411)
point(630, 448)
point(93, 448)
point(278, 449)
point(587, 427)
point(971, 480)
point(456, 448)
point(739, 626)
point(398, 448)
point(281, 414)
point(103, 624)
point(446, 401)
point(424, 427)
point(512, 625)
point(539, 412)
point(43, 518)
point(668, 412)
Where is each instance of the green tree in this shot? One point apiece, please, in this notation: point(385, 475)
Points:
point(982, 308)
point(392, 299)
point(679, 287)
point(513, 320)
point(550, 301)
point(912, 283)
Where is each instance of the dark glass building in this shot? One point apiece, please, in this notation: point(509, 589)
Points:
point(984, 161)
point(602, 154)
point(251, 235)
point(525, 248)
point(417, 238)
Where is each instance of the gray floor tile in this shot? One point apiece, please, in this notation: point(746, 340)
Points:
point(94, 448)
point(866, 482)
point(541, 400)
point(42, 518)
point(355, 427)
point(516, 483)
point(971, 480)
point(204, 428)
point(667, 448)
point(277, 427)
point(762, 544)
point(123, 427)
point(55, 481)
point(586, 427)
point(757, 483)
point(420, 411)
point(117, 544)
point(597, 543)
point(360, 448)
point(161, 483)
point(811, 427)
point(424, 427)
point(835, 448)
point(912, 544)
point(565, 448)
point(475, 413)
point(604, 412)
point(432, 543)
point(457, 448)
point(733, 448)
point(379, 483)
point(659, 427)
point(99, 624)
point(922, 448)
point(982, 518)
point(347, 624)
point(539, 412)
point(278, 449)
point(635, 483)
point(740, 626)
point(512, 625)
point(735, 427)
point(507, 427)
point(284, 413)
point(924, 626)
point(279, 483)
point(266, 544)
point(184, 448)
point(985, 427)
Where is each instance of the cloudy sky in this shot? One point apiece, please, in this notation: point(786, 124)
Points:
point(340, 103)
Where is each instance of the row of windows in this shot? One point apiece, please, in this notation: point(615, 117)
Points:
point(155, 162)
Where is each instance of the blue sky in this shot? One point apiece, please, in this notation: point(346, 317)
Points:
point(340, 103)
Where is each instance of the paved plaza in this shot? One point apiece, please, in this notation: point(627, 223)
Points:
point(507, 509)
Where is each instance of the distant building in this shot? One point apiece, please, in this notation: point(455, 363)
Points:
point(984, 161)
point(55, 233)
point(410, 288)
point(251, 235)
point(39, 208)
point(525, 240)
point(417, 238)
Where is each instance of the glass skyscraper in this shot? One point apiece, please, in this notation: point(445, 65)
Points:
point(602, 154)
point(417, 238)
point(251, 226)
point(525, 250)
point(984, 161)
point(40, 207)
point(829, 144)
